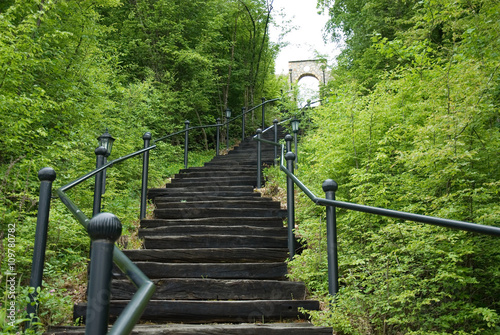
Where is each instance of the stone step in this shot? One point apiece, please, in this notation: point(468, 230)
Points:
point(217, 204)
point(216, 221)
point(302, 328)
point(208, 255)
point(274, 271)
point(214, 289)
point(213, 230)
point(173, 213)
point(189, 311)
point(214, 241)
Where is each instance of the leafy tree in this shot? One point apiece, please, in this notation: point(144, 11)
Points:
point(423, 139)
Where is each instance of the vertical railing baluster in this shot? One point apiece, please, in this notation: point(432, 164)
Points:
point(186, 144)
point(275, 123)
point(47, 176)
point(217, 140)
point(243, 117)
point(259, 158)
point(290, 196)
point(145, 172)
point(100, 152)
point(263, 113)
point(227, 133)
point(104, 229)
point(330, 187)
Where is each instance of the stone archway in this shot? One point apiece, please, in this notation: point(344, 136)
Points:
point(313, 67)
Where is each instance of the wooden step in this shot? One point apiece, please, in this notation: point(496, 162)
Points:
point(250, 162)
point(274, 271)
point(189, 311)
point(209, 175)
point(190, 182)
point(215, 221)
point(231, 168)
point(211, 204)
point(195, 213)
point(254, 197)
point(214, 230)
point(214, 289)
point(208, 255)
point(214, 241)
point(225, 191)
point(302, 328)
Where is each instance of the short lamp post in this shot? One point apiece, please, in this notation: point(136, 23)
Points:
point(295, 129)
point(228, 116)
point(106, 141)
point(102, 152)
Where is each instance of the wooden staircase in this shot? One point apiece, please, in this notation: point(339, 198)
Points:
point(216, 252)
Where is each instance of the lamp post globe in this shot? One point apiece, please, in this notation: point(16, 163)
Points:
point(295, 124)
point(106, 141)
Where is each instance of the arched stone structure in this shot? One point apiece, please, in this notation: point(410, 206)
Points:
point(313, 67)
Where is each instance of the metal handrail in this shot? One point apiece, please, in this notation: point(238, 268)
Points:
point(329, 186)
point(455, 224)
point(96, 171)
point(134, 309)
point(228, 121)
point(188, 129)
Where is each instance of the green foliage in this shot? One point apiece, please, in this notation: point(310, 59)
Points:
point(422, 138)
point(70, 69)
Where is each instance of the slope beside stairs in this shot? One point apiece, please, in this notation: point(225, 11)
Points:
point(216, 252)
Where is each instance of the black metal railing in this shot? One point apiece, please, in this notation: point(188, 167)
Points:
point(104, 229)
point(330, 187)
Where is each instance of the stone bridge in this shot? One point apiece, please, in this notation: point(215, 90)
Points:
point(308, 68)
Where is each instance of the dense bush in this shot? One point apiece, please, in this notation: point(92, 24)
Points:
point(423, 138)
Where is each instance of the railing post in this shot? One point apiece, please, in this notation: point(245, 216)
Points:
point(217, 140)
point(104, 229)
point(296, 148)
point(145, 168)
point(290, 199)
point(243, 116)
point(275, 123)
point(330, 186)
point(259, 159)
point(100, 152)
point(227, 133)
point(47, 176)
point(186, 144)
point(263, 113)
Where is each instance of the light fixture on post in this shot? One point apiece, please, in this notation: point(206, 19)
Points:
point(106, 141)
point(295, 129)
point(228, 116)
